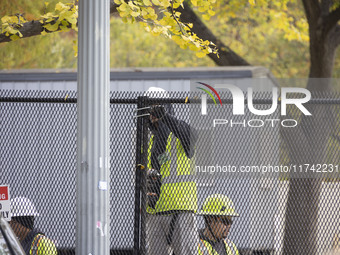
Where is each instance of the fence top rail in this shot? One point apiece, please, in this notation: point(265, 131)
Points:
point(183, 100)
point(58, 100)
point(34, 75)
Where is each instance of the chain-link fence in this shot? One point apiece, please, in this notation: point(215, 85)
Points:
point(281, 175)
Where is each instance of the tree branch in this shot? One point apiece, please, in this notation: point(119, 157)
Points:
point(325, 7)
point(331, 19)
point(113, 7)
point(312, 10)
point(34, 27)
point(337, 36)
point(28, 29)
point(227, 57)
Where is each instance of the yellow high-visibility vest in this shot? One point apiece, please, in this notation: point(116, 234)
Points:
point(178, 190)
point(205, 248)
point(42, 245)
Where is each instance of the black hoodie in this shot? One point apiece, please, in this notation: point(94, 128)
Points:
point(169, 123)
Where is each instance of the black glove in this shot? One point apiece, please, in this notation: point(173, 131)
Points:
point(153, 187)
point(158, 111)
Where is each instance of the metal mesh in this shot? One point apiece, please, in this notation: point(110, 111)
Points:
point(38, 161)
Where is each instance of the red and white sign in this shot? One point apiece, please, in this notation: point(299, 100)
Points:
point(5, 202)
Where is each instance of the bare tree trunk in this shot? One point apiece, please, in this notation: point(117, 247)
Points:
point(308, 143)
point(226, 57)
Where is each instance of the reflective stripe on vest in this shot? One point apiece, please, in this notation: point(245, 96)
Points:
point(42, 245)
point(230, 247)
point(178, 190)
point(35, 244)
point(175, 174)
point(205, 248)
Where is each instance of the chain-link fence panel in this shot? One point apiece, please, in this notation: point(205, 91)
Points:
point(38, 161)
point(182, 181)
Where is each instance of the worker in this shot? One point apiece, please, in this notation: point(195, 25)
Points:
point(23, 213)
point(218, 211)
point(172, 192)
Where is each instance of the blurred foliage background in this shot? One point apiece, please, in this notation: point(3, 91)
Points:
point(253, 36)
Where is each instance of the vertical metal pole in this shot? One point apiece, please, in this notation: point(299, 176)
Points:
point(143, 182)
point(140, 209)
point(93, 221)
point(138, 180)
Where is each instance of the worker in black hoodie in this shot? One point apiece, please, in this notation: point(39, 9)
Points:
point(172, 191)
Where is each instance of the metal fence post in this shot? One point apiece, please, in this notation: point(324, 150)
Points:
point(143, 181)
point(140, 200)
point(93, 221)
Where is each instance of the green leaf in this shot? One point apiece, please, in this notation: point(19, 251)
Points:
point(53, 27)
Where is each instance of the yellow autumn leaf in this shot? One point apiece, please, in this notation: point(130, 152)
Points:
point(206, 17)
point(132, 5)
point(155, 2)
point(211, 12)
point(124, 16)
point(123, 7)
point(11, 30)
point(64, 23)
point(185, 38)
point(193, 47)
point(14, 37)
point(75, 48)
point(200, 54)
point(202, 9)
point(9, 19)
point(183, 46)
point(134, 14)
point(4, 19)
point(166, 4)
point(147, 2)
point(48, 15)
point(176, 39)
point(60, 7)
point(151, 11)
point(69, 16)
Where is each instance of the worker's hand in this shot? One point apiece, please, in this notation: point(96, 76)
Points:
point(157, 111)
point(153, 180)
point(153, 186)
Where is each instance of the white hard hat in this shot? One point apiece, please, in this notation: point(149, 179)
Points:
point(22, 206)
point(156, 92)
